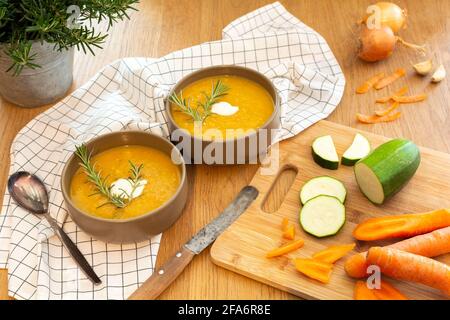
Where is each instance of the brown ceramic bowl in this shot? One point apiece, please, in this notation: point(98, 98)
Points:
point(255, 144)
point(134, 229)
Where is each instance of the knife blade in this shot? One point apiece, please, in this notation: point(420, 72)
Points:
point(162, 278)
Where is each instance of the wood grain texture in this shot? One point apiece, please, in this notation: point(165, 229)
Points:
point(243, 245)
point(162, 26)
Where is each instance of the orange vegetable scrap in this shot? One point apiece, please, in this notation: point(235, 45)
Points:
point(402, 226)
point(386, 292)
point(288, 229)
point(410, 99)
point(292, 246)
point(385, 112)
point(289, 232)
point(366, 86)
point(398, 93)
point(376, 119)
point(362, 292)
point(314, 269)
point(390, 79)
point(334, 253)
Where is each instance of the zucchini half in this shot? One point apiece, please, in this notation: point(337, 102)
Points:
point(324, 153)
point(387, 169)
point(359, 149)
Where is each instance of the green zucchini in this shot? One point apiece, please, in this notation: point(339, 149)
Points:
point(324, 153)
point(359, 149)
point(323, 186)
point(322, 216)
point(386, 170)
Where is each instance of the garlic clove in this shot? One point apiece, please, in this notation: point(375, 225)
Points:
point(439, 74)
point(423, 68)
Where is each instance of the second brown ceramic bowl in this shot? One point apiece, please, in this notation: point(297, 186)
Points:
point(135, 229)
point(255, 144)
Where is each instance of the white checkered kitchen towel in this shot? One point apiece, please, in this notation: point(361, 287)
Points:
point(128, 95)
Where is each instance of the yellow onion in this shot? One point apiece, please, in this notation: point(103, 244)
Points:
point(391, 15)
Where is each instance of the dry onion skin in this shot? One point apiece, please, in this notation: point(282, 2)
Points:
point(390, 15)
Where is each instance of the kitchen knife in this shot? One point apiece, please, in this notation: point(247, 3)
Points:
point(162, 278)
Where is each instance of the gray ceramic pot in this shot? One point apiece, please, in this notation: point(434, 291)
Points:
point(37, 87)
point(250, 148)
point(133, 229)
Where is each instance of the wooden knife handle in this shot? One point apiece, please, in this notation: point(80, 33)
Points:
point(161, 279)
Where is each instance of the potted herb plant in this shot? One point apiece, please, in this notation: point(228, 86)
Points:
point(37, 41)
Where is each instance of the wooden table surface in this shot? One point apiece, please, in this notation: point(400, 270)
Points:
point(161, 26)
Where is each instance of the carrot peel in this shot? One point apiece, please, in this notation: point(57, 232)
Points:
point(385, 112)
point(314, 269)
point(292, 246)
point(402, 226)
point(390, 79)
point(410, 99)
point(367, 85)
point(376, 119)
point(398, 93)
point(334, 253)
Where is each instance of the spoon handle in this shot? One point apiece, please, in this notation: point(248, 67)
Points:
point(74, 251)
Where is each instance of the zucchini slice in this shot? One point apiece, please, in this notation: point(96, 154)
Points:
point(324, 185)
point(359, 149)
point(387, 169)
point(322, 216)
point(324, 153)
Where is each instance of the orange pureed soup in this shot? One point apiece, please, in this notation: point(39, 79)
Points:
point(162, 175)
point(255, 106)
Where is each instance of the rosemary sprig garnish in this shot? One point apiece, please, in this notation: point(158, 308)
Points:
point(120, 201)
point(135, 177)
point(218, 90)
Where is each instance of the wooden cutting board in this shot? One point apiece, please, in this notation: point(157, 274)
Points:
point(242, 247)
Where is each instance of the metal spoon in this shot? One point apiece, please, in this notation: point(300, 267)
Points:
point(30, 193)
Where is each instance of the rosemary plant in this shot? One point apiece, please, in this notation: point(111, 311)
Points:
point(218, 90)
point(64, 23)
point(103, 188)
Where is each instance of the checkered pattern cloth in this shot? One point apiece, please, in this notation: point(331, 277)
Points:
point(129, 94)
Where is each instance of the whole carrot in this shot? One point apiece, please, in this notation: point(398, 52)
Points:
point(430, 245)
point(406, 266)
point(402, 226)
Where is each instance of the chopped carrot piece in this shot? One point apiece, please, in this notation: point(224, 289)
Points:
point(388, 292)
point(385, 112)
point(333, 253)
point(292, 246)
point(376, 119)
point(289, 232)
point(402, 226)
point(390, 79)
point(284, 224)
point(366, 86)
point(318, 270)
point(398, 93)
point(410, 99)
point(362, 292)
